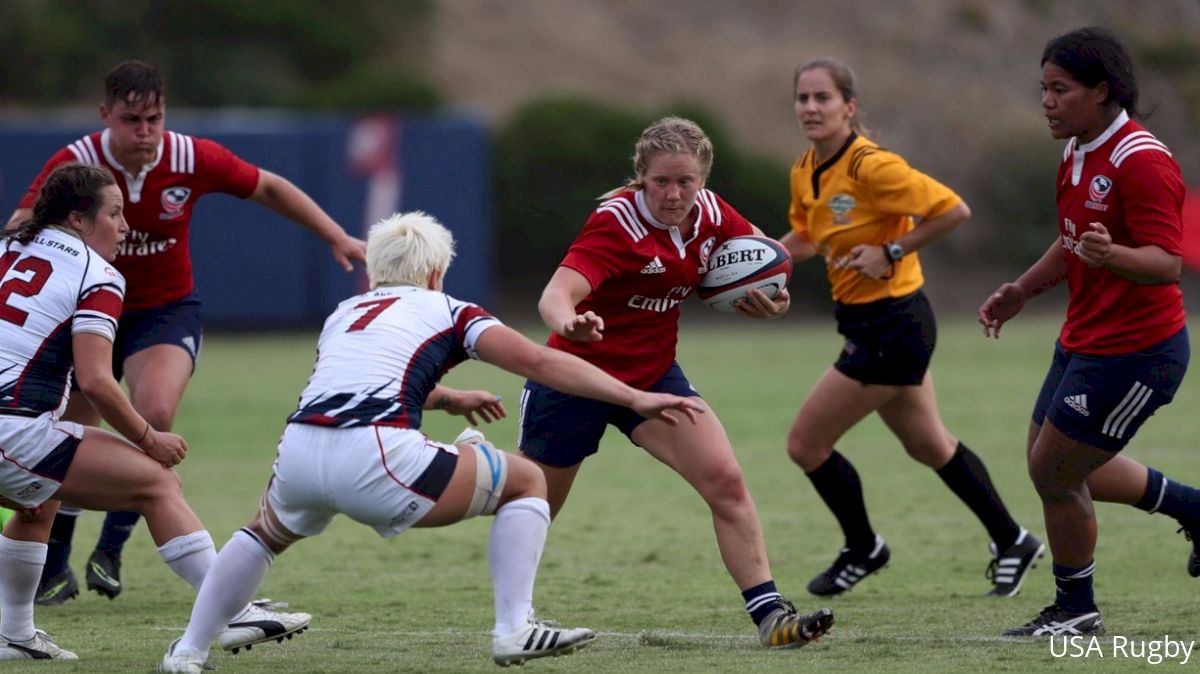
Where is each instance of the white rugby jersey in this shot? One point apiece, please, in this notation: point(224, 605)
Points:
point(50, 289)
point(382, 352)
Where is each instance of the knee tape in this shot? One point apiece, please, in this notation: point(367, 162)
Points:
point(491, 473)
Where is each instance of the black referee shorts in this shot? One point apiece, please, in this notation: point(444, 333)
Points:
point(889, 341)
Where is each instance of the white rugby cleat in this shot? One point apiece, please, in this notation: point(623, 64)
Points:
point(261, 622)
point(538, 639)
point(40, 647)
point(181, 662)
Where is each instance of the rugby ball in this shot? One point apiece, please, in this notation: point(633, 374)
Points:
point(742, 263)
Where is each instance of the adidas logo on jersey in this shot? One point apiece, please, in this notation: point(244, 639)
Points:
point(655, 266)
point(1078, 403)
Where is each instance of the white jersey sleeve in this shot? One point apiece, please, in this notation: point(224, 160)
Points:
point(100, 298)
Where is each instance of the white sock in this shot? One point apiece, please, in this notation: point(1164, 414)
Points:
point(231, 584)
point(190, 556)
point(514, 549)
point(20, 570)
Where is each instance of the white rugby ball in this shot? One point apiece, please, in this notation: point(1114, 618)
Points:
point(741, 263)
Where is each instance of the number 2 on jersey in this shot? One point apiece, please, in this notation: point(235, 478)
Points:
point(377, 307)
point(19, 286)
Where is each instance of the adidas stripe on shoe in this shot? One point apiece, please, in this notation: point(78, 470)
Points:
point(1007, 571)
point(538, 639)
point(850, 567)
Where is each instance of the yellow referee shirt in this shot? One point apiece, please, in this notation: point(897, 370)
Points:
point(863, 195)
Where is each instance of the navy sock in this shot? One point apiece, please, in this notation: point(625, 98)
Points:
point(1075, 588)
point(117, 529)
point(967, 477)
point(761, 600)
point(840, 487)
point(58, 551)
point(1169, 497)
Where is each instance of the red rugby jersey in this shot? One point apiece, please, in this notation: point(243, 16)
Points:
point(640, 270)
point(1126, 180)
point(155, 258)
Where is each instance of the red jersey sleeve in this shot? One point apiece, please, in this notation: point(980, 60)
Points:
point(600, 250)
point(224, 171)
point(63, 156)
point(1151, 190)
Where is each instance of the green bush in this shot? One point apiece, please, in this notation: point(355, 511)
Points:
point(1014, 202)
point(219, 52)
point(552, 160)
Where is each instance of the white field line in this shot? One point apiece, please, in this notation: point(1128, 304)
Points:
point(664, 635)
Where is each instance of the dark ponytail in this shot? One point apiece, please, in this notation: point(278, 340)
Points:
point(70, 188)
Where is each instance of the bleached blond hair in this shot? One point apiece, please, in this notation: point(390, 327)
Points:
point(406, 248)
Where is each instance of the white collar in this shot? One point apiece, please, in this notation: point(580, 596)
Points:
point(672, 230)
point(108, 155)
point(133, 183)
point(1108, 133)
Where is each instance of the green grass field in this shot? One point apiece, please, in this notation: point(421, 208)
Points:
point(633, 554)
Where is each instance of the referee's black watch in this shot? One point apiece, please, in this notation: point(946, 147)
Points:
point(893, 251)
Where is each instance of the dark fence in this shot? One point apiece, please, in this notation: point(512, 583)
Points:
point(256, 270)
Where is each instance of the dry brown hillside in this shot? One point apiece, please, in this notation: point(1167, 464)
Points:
point(940, 79)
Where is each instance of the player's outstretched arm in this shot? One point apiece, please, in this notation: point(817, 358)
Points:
point(506, 348)
point(466, 403)
point(282, 196)
point(93, 372)
point(1008, 300)
point(566, 289)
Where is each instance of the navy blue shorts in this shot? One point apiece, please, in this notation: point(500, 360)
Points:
point(562, 430)
point(888, 341)
point(175, 323)
point(1103, 400)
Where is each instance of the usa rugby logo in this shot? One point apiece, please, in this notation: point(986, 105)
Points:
point(706, 249)
point(173, 200)
point(1097, 190)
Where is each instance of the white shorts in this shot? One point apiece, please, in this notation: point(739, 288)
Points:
point(35, 453)
point(386, 478)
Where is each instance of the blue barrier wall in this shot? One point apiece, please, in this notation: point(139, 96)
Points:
point(256, 270)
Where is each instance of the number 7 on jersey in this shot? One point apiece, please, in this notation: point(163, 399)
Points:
point(376, 307)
